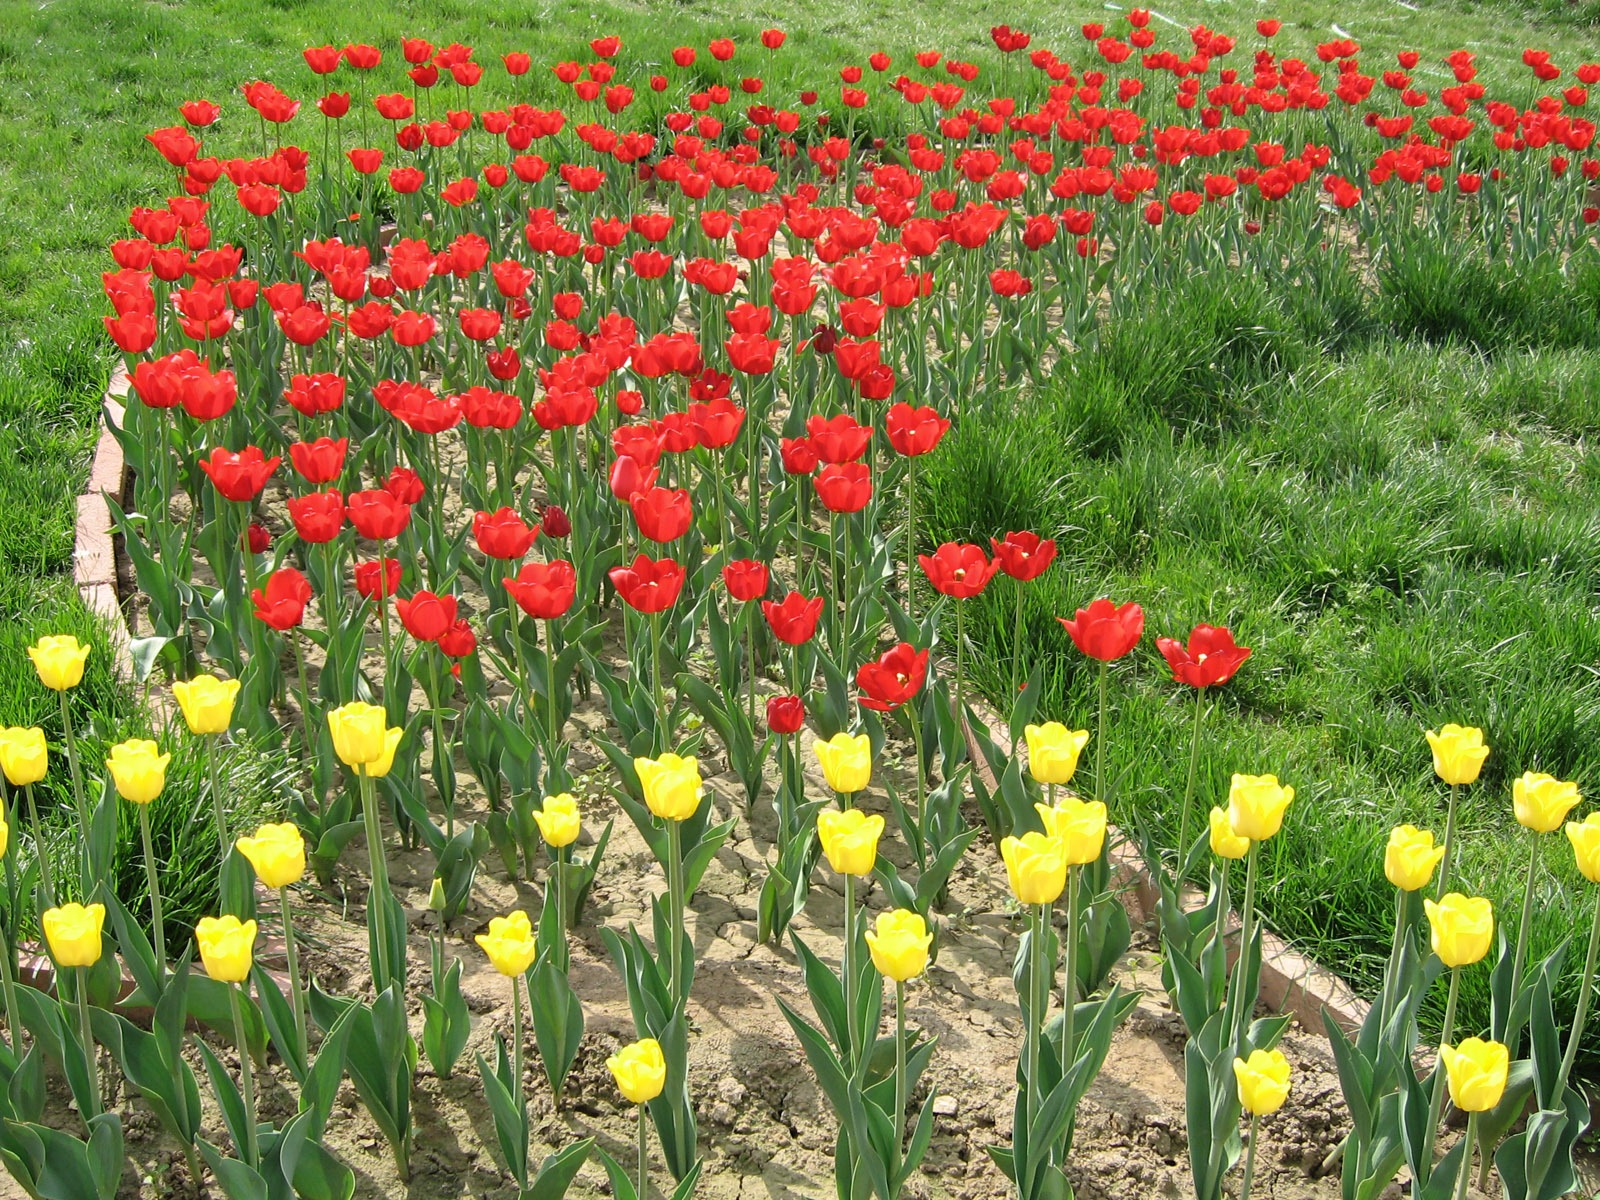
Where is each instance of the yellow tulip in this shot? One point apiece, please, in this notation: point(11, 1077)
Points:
point(1081, 826)
point(1477, 1071)
point(277, 852)
point(1256, 805)
point(24, 756)
point(1263, 1081)
point(73, 932)
point(360, 733)
point(640, 1070)
point(1053, 751)
point(1585, 839)
point(850, 839)
point(227, 947)
point(59, 660)
point(509, 943)
point(1036, 866)
point(1410, 857)
point(1225, 843)
point(559, 822)
point(1542, 801)
point(1462, 928)
point(1458, 753)
point(384, 763)
point(5, 836)
point(672, 786)
point(139, 770)
point(207, 702)
point(846, 761)
point(899, 945)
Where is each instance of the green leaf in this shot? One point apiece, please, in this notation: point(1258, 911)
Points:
point(557, 1170)
point(239, 1181)
point(557, 1020)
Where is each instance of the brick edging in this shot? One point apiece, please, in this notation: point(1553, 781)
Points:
point(94, 555)
point(1290, 982)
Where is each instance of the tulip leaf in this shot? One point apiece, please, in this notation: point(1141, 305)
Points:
point(239, 1181)
point(510, 1112)
point(557, 1171)
point(321, 1084)
point(557, 1020)
point(279, 1018)
point(622, 1187)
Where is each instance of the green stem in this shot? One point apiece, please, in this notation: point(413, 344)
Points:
point(156, 924)
point(1436, 1104)
point(912, 711)
point(1585, 994)
point(911, 539)
point(675, 906)
point(77, 786)
point(1391, 974)
point(644, 1160)
point(1466, 1158)
point(1188, 787)
point(40, 853)
point(516, 1058)
point(961, 645)
point(655, 681)
point(1244, 1005)
point(296, 995)
point(91, 1055)
point(849, 966)
point(1100, 739)
point(1250, 1159)
point(1069, 976)
point(1449, 840)
point(1519, 961)
point(1016, 640)
point(247, 1080)
point(378, 893)
point(217, 813)
point(899, 1070)
point(1038, 919)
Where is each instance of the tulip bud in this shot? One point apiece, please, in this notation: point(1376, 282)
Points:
point(555, 522)
point(1036, 867)
point(1225, 843)
point(1410, 857)
point(509, 943)
point(849, 838)
point(1476, 1071)
point(640, 1070)
point(672, 785)
point(899, 945)
point(846, 761)
point(785, 714)
point(1461, 928)
point(1458, 753)
point(1263, 1081)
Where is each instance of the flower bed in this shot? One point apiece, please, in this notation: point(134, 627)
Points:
point(510, 473)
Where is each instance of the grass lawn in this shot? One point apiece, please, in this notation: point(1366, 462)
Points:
point(1393, 500)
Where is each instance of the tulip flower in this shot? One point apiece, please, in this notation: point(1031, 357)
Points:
point(207, 702)
point(1585, 839)
point(227, 951)
point(849, 839)
point(1104, 631)
point(1461, 929)
point(794, 618)
point(1541, 803)
point(640, 1072)
point(74, 934)
point(1225, 843)
point(1209, 660)
point(1053, 752)
point(1477, 1072)
point(1263, 1084)
point(1410, 857)
point(559, 822)
point(24, 761)
point(1256, 804)
point(846, 763)
point(363, 740)
point(672, 792)
point(277, 854)
point(1036, 867)
point(139, 771)
point(1458, 755)
point(899, 944)
point(510, 945)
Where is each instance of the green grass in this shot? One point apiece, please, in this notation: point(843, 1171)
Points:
point(1405, 531)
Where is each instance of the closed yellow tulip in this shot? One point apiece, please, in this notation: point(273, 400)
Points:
point(1036, 866)
point(5, 837)
point(672, 786)
point(558, 821)
point(139, 770)
point(509, 943)
point(384, 763)
point(899, 945)
point(846, 761)
point(1462, 928)
point(1585, 839)
point(1542, 801)
point(850, 839)
point(1225, 843)
point(1410, 857)
point(73, 931)
point(1476, 1071)
point(207, 702)
point(277, 852)
point(1081, 826)
point(59, 660)
point(640, 1070)
point(24, 756)
point(360, 733)
point(1458, 753)
point(227, 947)
point(1053, 751)
point(1263, 1081)
point(1256, 804)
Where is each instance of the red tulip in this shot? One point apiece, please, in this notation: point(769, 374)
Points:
point(282, 603)
point(321, 461)
point(648, 585)
point(319, 517)
point(555, 522)
point(746, 579)
point(503, 533)
point(958, 569)
point(1024, 556)
point(1105, 630)
point(914, 431)
point(377, 515)
point(716, 423)
point(257, 539)
point(844, 487)
point(426, 617)
point(785, 714)
point(239, 477)
point(794, 618)
point(459, 640)
point(893, 678)
point(404, 484)
point(375, 579)
point(1211, 657)
point(663, 514)
point(838, 439)
point(799, 456)
point(544, 590)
